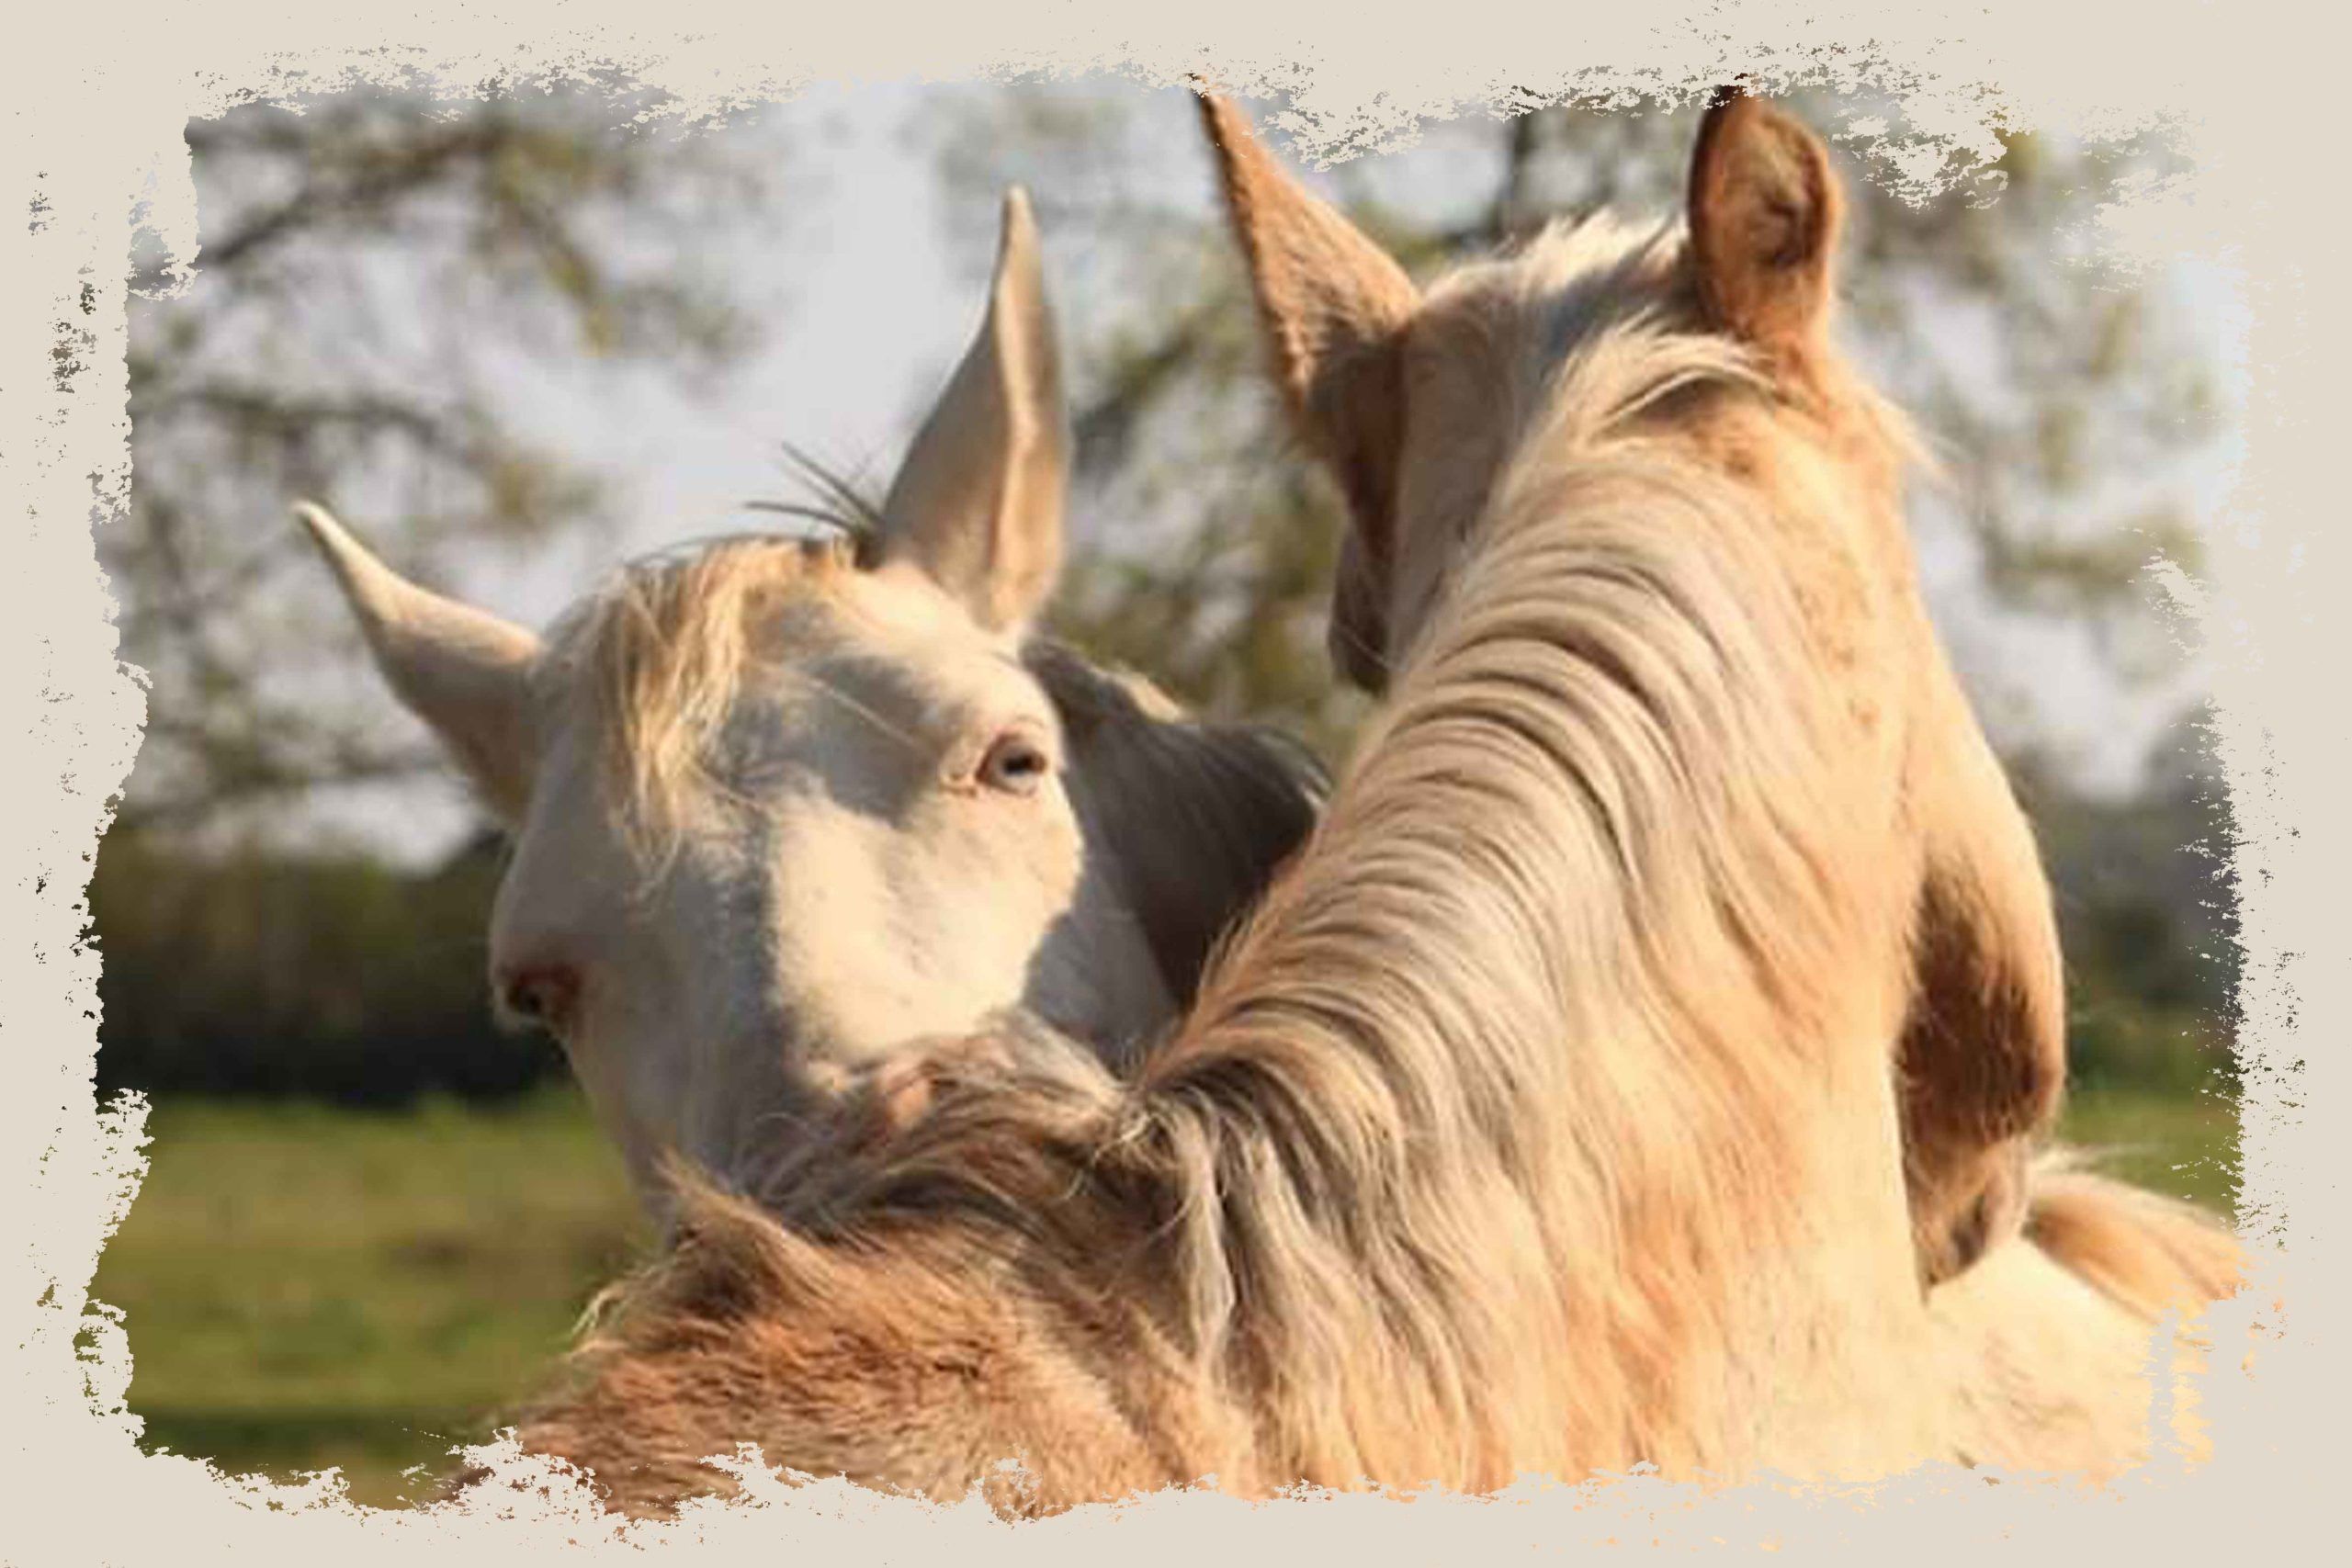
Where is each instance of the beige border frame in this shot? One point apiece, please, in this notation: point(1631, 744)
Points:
point(97, 113)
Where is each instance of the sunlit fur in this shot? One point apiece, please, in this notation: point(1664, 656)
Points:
point(1827, 462)
point(1414, 401)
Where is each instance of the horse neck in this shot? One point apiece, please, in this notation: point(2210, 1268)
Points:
point(1184, 823)
point(1565, 1030)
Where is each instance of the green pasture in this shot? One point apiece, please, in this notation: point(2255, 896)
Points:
point(309, 1287)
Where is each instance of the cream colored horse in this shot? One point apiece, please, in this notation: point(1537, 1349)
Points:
point(1413, 399)
point(779, 807)
point(1541, 1118)
point(1410, 399)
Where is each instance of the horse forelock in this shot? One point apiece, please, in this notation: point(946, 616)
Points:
point(660, 654)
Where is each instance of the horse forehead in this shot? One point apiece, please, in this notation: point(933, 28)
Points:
point(906, 607)
point(900, 643)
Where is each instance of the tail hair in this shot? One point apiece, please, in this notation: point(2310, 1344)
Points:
point(2146, 1252)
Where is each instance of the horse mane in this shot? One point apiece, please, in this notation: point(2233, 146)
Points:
point(665, 644)
point(1577, 877)
point(1398, 1192)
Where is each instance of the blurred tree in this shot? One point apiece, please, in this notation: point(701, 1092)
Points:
point(370, 263)
point(326, 975)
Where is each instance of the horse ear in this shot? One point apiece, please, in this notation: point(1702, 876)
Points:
point(1765, 214)
point(978, 504)
point(1334, 305)
point(465, 674)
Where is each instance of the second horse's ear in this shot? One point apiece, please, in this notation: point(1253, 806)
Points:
point(1765, 214)
point(465, 672)
point(1334, 306)
point(977, 506)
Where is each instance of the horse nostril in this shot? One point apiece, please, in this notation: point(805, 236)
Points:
point(541, 994)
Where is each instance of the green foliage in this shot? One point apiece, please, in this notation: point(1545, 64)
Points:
point(2148, 920)
point(306, 1287)
point(333, 976)
point(1206, 539)
point(336, 977)
point(2183, 1145)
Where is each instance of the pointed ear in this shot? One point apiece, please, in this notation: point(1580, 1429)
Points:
point(465, 674)
point(1334, 305)
point(1765, 214)
point(977, 506)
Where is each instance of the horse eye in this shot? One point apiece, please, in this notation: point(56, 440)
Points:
point(1015, 763)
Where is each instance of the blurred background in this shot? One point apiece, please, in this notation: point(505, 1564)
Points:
point(517, 340)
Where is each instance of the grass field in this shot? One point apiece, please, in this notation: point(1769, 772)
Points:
point(307, 1287)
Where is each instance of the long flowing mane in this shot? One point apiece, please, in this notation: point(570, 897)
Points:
point(1486, 1146)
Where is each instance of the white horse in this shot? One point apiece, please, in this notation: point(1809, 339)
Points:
point(781, 805)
